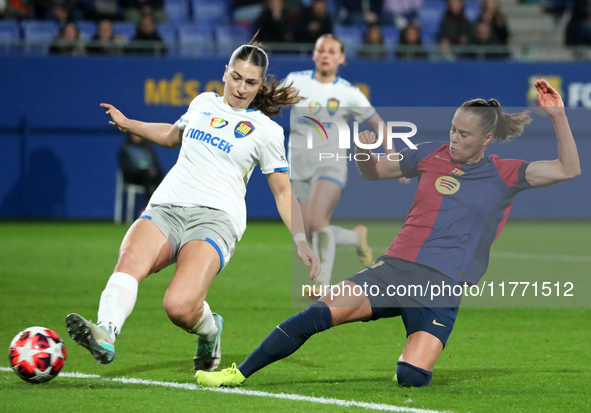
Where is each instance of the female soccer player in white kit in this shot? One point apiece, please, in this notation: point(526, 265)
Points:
point(198, 212)
point(318, 184)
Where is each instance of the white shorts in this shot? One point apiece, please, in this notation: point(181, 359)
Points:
point(183, 224)
point(301, 188)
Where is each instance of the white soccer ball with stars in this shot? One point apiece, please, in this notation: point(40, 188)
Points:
point(37, 354)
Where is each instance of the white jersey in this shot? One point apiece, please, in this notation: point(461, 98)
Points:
point(323, 100)
point(220, 147)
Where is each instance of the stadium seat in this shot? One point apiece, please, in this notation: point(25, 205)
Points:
point(9, 36)
point(333, 7)
point(177, 11)
point(124, 29)
point(131, 190)
point(168, 32)
point(210, 13)
point(472, 9)
point(38, 36)
point(391, 35)
point(229, 37)
point(195, 41)
point(87, 29)
point(352, 37)
point(430, 15)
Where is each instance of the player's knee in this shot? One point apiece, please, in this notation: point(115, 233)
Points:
point(183, 313)
point(412, 376)
point(317, 223)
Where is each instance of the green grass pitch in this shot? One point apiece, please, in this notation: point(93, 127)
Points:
point(498, 359)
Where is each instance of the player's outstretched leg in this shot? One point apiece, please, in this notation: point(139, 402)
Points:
point(364, 252)
point(209, 352)
point(230, 377)
point(94, 338)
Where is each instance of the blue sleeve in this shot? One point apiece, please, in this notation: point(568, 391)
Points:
point(412, 157)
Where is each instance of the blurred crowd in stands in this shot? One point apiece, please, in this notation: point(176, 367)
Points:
point(371, 29)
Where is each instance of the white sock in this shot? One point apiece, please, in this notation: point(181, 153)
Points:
point(117, 302)
point(344, 236)
point(323, 244)
point(205, 327)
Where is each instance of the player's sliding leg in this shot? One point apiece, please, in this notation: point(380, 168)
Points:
point(291, 334)
point(286, 338)
point(414, 368)
point(144, 250)
point(185, 304)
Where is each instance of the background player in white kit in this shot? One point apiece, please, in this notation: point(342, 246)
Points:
point(198, 212)
point(318, 185)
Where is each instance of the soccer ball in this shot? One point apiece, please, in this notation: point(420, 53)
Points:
point(37, 354)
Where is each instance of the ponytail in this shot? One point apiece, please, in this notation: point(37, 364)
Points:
point(492, 118)
point(273, 96)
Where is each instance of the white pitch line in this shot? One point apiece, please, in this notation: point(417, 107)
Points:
point(294, 397)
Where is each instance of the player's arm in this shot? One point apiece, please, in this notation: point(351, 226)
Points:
point(567, 166)
point(376, 123)
point(374, 168)
point(290, 213)
point(163, 134)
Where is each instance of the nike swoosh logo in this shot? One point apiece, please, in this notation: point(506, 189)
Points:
point(437, 324)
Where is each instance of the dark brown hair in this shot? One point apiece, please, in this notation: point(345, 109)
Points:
point(273, 95)
point(492, 118)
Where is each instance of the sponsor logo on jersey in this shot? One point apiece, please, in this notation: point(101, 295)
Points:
point(333, 106)
point(314, 107)
point(205, 113)
point(457, 171)
point(208, 138)
point(316, 125)
point(447, 185)
point(218, 123)
point(243, 129)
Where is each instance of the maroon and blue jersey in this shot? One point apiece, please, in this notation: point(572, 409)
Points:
point(458, 210)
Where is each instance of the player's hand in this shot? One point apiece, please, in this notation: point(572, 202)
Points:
point(550, 100)
point(309, 258)
point(118, 119)
point(366, 137)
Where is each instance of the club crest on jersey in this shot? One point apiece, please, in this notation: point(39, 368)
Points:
point(333, 105)
point(447, 185)
point(457, 171)
point(243, 129)
point(218, 123)
point(314, 107)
